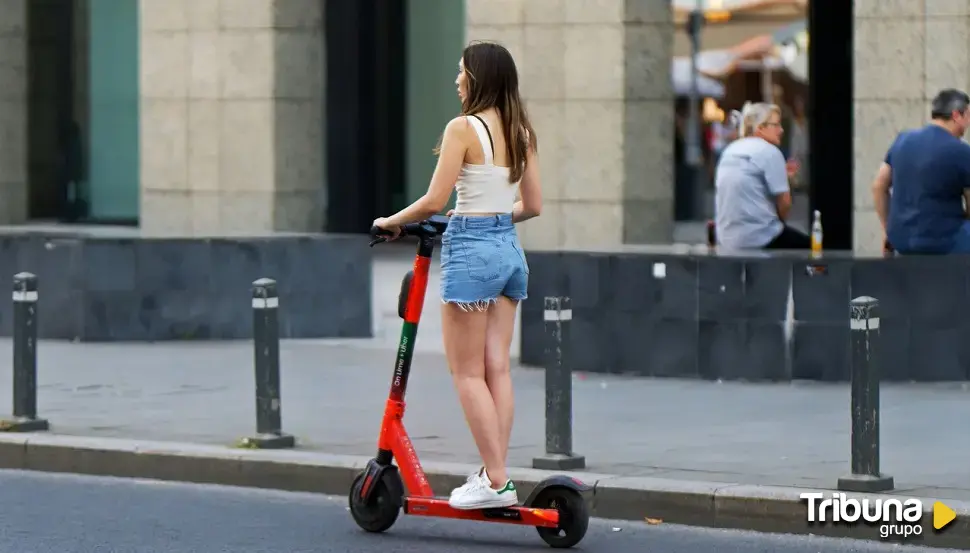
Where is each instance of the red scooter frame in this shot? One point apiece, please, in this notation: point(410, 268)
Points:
point(555, 507)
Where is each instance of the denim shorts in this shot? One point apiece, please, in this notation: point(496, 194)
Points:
point(481, 259)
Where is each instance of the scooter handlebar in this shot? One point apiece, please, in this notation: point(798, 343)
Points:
point(428, 228)
point(380, 235)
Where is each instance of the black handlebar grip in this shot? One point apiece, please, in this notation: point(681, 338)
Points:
point(378, 231)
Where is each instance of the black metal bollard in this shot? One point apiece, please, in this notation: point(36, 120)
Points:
point(558, 316)
point(266, 345)
point(864, 329)
point(24, 358)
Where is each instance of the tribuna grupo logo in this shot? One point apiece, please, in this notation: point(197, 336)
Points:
point(894, 517)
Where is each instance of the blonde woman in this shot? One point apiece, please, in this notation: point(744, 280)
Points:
point(752, 193)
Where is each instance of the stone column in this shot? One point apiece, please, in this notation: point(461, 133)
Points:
point(596, 79)
point(232, 120)
point(13, 111)
point(905, 52)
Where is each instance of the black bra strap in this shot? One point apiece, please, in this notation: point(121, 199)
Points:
point(490, 143)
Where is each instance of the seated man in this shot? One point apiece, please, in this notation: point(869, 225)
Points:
point(920, 188)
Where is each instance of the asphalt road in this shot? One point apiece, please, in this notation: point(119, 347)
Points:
point(47, 513)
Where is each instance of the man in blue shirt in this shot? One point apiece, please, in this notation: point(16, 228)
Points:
point(920, 188)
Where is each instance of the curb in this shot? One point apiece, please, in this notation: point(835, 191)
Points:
point(707, 504)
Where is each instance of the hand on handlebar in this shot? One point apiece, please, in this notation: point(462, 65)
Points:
point(432, 227)
point(395, 231)
point(391, 232)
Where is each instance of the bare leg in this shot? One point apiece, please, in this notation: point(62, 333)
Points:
point(498, 341)
point(464, 341)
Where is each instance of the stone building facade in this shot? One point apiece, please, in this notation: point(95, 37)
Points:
point(230, 96)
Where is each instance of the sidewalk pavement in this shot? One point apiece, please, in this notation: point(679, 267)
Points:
point(640, 434)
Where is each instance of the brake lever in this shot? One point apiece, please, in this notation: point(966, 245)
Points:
point(377, 240)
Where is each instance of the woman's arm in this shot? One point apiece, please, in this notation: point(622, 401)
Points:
point(530, 190)
point(453, 148)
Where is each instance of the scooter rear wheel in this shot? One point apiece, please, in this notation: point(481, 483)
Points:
point(381, 510)
point(573, 516)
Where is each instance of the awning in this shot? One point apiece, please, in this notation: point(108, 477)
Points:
point(719, 64)
point(680, 72)
point(718, 8)
point(737, 21)
point(790, 33)
point(786, 48)
point(791, 46)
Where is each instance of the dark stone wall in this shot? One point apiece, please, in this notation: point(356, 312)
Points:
point(726, 317)
point(118, 289)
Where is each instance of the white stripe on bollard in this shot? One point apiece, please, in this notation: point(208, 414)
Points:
point(266, 303)
point(21, 296)
point(553, 315)
point(860, 324)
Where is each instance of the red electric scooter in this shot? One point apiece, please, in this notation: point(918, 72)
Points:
point(556, 507)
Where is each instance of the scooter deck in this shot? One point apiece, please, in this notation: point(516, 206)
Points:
point(518, 514)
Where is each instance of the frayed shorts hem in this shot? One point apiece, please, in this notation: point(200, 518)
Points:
point(480, 304)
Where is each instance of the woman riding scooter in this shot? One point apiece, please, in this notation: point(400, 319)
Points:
point(487, 154)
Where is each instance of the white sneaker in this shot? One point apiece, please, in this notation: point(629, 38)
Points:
point(470, 481)
point(478, 494)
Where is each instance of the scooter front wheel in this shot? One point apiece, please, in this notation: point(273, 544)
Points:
point(381, 510)
point(573, 516)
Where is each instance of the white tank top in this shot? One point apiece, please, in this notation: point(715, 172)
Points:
point(484, 188)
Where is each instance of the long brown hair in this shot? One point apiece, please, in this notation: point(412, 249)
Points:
point(493, 82)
